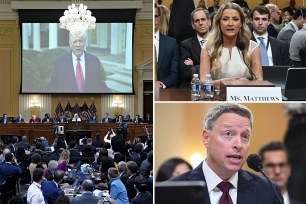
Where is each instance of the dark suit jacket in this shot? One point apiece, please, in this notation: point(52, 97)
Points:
point(25, 145)
point(130, 186)
point(16, 120)
point(280, 51)
point(272, 31)
point(167, 61)
point(124, 177)
point(110, 120)
point(59, 120)
point(138, 121)
point(51, 191)
point(63, 77)
point(7, 170)
point(45, 120)
point(7, 120)
point(143, 198)
point(252, 189)
point(190, 48)
point(211, 9)
point(87, 198)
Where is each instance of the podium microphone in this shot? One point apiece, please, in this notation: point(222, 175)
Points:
point(254, 161)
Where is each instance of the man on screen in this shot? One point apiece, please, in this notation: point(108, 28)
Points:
point(226, 135)
point(77, 71)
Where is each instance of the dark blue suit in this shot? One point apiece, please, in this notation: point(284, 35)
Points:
point(12, 148)
point(51, 191)
point(85, 198)
point(252, 189)
point(110, 120)
point(167, 61)
point(8, 169)
point(142, 198)
point(25, 145)
point(63, 78)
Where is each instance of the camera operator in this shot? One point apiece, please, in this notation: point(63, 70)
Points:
point(98, 142)
point(119, 143)
point(109, 135)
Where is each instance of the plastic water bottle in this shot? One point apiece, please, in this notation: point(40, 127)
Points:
point(195, 85)
point(208, 87)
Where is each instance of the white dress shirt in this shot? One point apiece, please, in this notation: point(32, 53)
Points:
point(156, 43)
point(269, 51)
point(82, 61)
point(212, 180)
point(286, 198)
point(34, 194)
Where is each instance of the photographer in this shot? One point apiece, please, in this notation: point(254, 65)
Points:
point(110, 134)
point(119, 144)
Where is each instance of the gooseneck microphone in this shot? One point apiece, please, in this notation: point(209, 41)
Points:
point(254, 161)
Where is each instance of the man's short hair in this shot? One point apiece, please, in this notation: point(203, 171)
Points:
point(262, 10)
point(273, 146)
point(300, 12)
point(14, 139)
point(141, 183)
point(206, 12)
point(52, 166)
point(215, 112)
point(38, 174)
point(113, 172)
point(8, 157)
point(36, 158)
point(88, 185)
point(122, 166)
point(62, 199)
point(58, 175)
point(72, 144)
point(132, 166)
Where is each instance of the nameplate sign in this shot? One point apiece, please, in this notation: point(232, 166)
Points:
point(254, 94)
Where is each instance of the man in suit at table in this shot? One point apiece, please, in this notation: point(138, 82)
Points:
point(77, 71)
point(87, 196)
point(227, 135)
point(274, 52)
point(47, 119)
point(19, 119)
point(51, 189)
point(106, 119)
point(4, 119)
point(166, 56)
point(62, 119)
point(191, 48)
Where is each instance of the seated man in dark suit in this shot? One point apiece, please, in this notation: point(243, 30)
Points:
point(5, 119)
point(166, 56)
point(24, 143)
point(51, 189)
point(106, 119)
point(19, 119)
point(87, 196)
point(226, 136)
point(77, 71)
point(137, 119)
point(143, 196)
point(62, 119)
point(47, 119)
point(9, 168)
point(191, 48)
point(276, 52)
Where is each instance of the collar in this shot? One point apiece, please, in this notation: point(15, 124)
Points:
point(212, 179)
point(82, 58)
point(56, 184)
point(264, 35)
point(295, 27)
point(286, 197)
point(37, 184)
point(156, 35)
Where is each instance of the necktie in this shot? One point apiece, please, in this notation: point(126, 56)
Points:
point(79, 75)
point(225, 198)
point(202, 42)
point(263, 52)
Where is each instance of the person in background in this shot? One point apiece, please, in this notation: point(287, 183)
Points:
point(226, 135)
point(117, 189)
point(62, 199)
point(34, 119)
point(143, 196)
point(137, 119)
point(19, 119)
point(275, 16)
point(291, 8)
point(24, 143)
point(64, 161)
point(51, 189)
point(276, 164)
point(229, 53)
point(76, 118)
point(202, 4)
point(172, 168)
point(13, 145)
point(214, 8)
point(94, 119)
point(4, 119)
point(34, 193)
point(52, 167)
point(164, 19)
point(264, 2)
point(242, 3)
point(9, 168)
point(87, 196)
point(107, 119)
point(148, 119)
point(191, 47)
point(47, 119)
point(62, 119)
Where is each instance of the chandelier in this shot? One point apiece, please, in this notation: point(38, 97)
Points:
point(77, 19)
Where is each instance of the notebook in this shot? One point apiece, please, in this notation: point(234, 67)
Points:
point(295, 89)
point(276, 75)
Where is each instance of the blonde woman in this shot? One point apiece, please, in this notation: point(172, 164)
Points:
point(164, 19)
point(229, 54)
point(202, 4)
point(63, 161)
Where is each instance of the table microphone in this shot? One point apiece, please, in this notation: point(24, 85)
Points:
point(254, 161)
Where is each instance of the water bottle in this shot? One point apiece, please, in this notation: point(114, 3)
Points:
point(208, 87)
point(195, 85)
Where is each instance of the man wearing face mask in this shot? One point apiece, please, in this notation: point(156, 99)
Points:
point(77, 71)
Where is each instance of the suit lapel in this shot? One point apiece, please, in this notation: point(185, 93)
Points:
point(162, 41)
point(246, 187)
point(274, 48)
point(196, 46)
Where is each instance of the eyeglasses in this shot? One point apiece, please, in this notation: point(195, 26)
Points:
point(271, 166)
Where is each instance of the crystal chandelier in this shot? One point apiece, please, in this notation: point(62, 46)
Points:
point(77, 19)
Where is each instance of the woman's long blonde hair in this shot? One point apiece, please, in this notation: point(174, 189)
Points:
point(65, 156)
point(164, 19)
point(215, 39)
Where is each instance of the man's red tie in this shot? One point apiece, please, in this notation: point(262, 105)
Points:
point(225, 198)
point(79, 75)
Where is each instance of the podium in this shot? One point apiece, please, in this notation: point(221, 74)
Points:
point(241, 83)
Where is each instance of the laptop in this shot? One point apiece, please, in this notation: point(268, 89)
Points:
point(276, 75)
point(295, 89)
point(180, 192)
